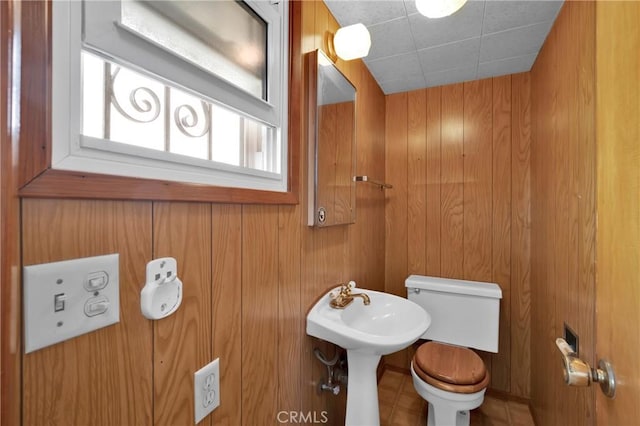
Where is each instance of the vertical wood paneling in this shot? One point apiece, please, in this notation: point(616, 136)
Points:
point(395, 211)
point(477, 180)
point(373, 235)
point(477, 204)
point(544, 90)
point(540, 397)
point(463, 194)
point(182, 231)
point(66, 383)
point(452, 175)
point(434, 166)
point(563, 228)
point(501, 226)
point(260, 366)
point(368, 233)
point(310, 288)
point(520, 234)
point(290, 312)
point(396, 207)
point(226, 251)
point(416, 181)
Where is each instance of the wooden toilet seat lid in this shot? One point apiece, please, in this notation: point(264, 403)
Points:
point(459, 368)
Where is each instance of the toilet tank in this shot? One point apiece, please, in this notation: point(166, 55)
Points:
point(463, 313)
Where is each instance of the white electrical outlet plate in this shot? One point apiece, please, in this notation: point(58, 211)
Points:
point(69, 298)
point(206, 384)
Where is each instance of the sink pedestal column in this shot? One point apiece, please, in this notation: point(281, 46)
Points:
point(362, 389)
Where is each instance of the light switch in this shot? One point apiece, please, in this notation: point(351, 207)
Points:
point(65, 299)
point(96, 306)
point(58, 302)
point(96, 281)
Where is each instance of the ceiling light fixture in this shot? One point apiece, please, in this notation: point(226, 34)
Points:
point(351, 42)
point(439, 8)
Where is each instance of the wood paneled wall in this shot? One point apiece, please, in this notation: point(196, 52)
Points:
point(250, 274)
point(10, 271)
point(458, 158)
point(563, 213)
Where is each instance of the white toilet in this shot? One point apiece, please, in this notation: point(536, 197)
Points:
point(448, 375)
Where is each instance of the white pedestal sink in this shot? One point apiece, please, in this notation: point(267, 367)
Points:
point(388, 324)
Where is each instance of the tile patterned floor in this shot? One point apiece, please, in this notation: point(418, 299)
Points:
point(400, 405)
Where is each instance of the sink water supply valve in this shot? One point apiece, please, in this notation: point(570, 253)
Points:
point(333, 374)
point(162, 293)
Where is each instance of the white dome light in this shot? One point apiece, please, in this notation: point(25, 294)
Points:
point(439, 8)
point(352, 42)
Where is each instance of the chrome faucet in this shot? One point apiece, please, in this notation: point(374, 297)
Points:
point(344, 297)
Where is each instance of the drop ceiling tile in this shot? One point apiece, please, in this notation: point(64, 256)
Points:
point(349, 12)
point(441, 78)
point(390, 38)
point(506, 66)
point(402, 85)
point(465, 23)
point(462, 54)
point(395, 67)
point(410, 5)
point(408, 50)
point(503, 15)
point(517, 42)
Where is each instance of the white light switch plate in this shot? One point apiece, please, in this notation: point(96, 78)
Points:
point(69, 298)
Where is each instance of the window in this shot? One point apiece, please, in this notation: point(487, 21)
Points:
point(190, 91)
point(226, 38)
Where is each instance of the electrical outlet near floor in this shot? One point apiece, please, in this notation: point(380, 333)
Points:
point(206, 386)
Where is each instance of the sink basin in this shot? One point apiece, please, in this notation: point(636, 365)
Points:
point(388, 324)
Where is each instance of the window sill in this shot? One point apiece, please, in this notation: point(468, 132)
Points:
point(65, 184)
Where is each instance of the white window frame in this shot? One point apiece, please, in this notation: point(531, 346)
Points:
point(75, 152)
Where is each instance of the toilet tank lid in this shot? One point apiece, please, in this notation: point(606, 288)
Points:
point(448, 285)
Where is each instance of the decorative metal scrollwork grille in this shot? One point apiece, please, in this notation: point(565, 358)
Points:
point(142, 104)
point(126, 107)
